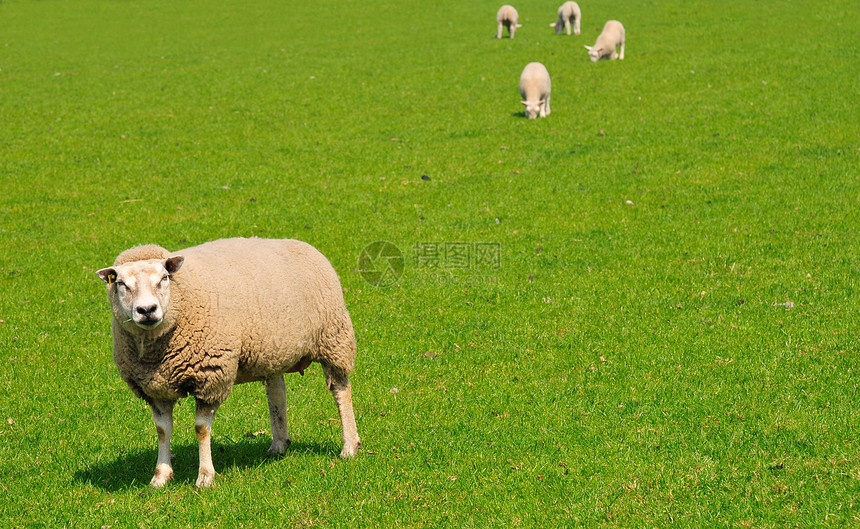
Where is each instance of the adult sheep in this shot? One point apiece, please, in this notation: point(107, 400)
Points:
point(198, 321)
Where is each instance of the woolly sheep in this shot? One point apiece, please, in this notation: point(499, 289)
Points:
point(535, 89)
point(567, 13)
point(507, 17)
point(198, 321)
point(611, 36)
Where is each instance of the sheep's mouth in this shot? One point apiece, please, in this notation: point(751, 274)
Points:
point(148, 323)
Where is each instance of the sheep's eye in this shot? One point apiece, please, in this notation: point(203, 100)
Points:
point(165, 280)
point(120, 285)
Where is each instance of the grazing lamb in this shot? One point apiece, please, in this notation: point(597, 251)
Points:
point(198, 321)
point(567, 13)
point(534, 89)
point(604, 48)
point(507, 17)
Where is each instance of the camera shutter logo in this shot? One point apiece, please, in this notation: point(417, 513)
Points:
point(380, 263)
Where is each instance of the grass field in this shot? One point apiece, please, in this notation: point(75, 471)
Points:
point(656, 323)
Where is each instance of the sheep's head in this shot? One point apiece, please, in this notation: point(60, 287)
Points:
point(139, 291)
point(594, 53)
point(533, 108)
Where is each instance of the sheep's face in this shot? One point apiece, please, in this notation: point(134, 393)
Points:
point(140, 291)
point(594, 53)
point(533, 108)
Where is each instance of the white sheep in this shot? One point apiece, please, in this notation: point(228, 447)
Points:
point(200, 320)
point(535, 90)
point(507, 17)
point(611, 37)
point(567, 13)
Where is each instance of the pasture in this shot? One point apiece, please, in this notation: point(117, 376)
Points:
point(639, 311)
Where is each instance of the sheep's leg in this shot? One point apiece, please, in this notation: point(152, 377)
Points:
point(512, 29)
point(342, 390)
point(276, 392)
point(545, 107)
point(576, 27)
point(499, 32)
point(567, 26)
point(162, 415)
point(621, 55)
point(203, 428)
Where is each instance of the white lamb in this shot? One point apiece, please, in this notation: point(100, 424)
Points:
point(507, 17)
point(568, 13)
point(611, 37)
point(200, 320)
point(535, 90)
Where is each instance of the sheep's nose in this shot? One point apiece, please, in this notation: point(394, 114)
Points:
point(147, 310)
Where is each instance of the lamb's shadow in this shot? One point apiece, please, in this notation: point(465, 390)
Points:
point(133, 469)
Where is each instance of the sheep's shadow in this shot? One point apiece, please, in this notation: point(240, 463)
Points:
point(134, 469)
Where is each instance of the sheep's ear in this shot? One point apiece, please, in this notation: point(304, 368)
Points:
point(173, 264)
point(540, 103)
point(587, 47)
point(108, 275)
point(525, 103)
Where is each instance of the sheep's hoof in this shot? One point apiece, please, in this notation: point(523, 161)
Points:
point(349, 451)
point(205, 479)
point(279, 448)
point(163, 474)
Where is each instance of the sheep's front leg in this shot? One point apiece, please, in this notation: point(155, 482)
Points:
point(203, 428)
point(342, 391)
point(621, 55)
point(162, 415)
point(276, 392)
point(499, 32)
point(576, 27)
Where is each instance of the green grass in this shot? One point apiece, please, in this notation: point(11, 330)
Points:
point(632, 361)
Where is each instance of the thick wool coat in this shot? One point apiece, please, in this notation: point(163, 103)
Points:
point(240, 310)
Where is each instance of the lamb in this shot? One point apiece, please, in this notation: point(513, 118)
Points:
point(611, 36)
point(507, 17)
point(198, 321)
point(535, 89)
point(567, 13)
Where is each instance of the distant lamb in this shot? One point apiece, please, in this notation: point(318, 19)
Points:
point(568, 13)
point(198, 321)
point(507, 17)
point(535, 90)
point(611, 37)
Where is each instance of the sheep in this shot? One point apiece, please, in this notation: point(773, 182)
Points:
point(198, 321)
point(507, 17)
point(567, 13)
point(535, 90)
point(611, 36)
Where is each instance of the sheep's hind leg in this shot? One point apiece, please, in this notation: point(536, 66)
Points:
point(162, 415)
point(276, 392)
point(341, 389)
point(203, 428)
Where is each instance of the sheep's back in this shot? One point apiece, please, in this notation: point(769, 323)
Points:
point(270, 299)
